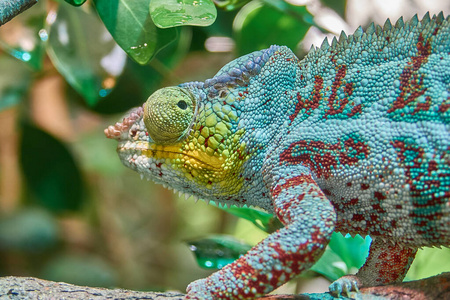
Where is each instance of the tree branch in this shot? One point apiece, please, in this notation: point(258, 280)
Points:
point(24, 288)
point(21, 288)
point(11, 8)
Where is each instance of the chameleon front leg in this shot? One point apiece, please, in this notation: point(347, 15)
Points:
point(386, 263)
point(309, 220)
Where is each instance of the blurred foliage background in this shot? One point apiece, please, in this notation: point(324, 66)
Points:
point(69, 211)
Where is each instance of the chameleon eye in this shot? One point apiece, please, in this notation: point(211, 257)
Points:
point(182, 104)
point(168, 114)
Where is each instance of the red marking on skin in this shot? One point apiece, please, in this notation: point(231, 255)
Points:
point(285, 211)
point(319, 162)
point(379, 196)
point(392, 263)
point(318, 85)
point(432, 166)
point(410, 82)
point(241, 156)
point(359, 146)
point(374, 218)
point(358, 217)
point(321, 158)
point(377, 207)
point(421, 174)
point(348, 89)
point(355, 110)
point(158, 165)
point(423, 106)
point(364, 186)
point(435, 31)
point(290, 182)
point(444, 106)
point(354, 201)
point(311, 103)
point(393, 223)
point(206, 140)
point(349, 184)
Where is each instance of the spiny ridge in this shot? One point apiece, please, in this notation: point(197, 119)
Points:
point(375, 31)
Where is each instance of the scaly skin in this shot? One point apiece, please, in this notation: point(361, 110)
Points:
point(353, 138)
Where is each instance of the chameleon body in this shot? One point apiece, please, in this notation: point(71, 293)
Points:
point(353, 138)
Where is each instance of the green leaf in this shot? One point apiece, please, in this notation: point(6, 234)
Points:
point(29, 230)
point(230, 4)
point(75, 2)
point(52, 176)
point(130, 24)
point(429, 262)
point(171, 13)
point(344, 255)
point(330, 265)
point(24, 36)
point(264, 221)
point(258, 26)
point(138, 82)
point(15, 83)
point(84, 52)
point(352, 250)
point(214, 252)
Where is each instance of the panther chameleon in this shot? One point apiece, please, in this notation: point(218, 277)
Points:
point(354, 138)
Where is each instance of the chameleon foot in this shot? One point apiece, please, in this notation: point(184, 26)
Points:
point(345, 285)
point(197, 290)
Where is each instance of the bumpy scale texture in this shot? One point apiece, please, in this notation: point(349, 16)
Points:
point(353, 138)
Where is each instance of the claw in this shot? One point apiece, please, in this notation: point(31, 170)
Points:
point(344, 286)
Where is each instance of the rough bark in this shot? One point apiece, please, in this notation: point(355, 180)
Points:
point(21, 288)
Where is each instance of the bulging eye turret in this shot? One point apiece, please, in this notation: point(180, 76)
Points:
point(168, 114)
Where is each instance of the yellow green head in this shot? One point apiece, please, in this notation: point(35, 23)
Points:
point(180, 140)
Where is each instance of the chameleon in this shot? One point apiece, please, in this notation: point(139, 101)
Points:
point(353, 138)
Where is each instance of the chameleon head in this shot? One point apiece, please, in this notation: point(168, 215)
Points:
point(206, 138)
point(180, 139)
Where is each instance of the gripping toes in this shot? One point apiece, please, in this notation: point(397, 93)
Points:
point(198, 290)
point(345, 285)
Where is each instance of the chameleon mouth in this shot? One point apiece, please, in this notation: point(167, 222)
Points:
point(160, 152)
point(132, 144)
